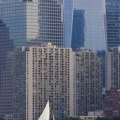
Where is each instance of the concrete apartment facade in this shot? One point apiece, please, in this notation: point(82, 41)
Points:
point(112, 68)
point(41, 74)
point(88, 82)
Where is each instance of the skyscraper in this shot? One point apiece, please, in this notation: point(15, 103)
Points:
point(88, 82)
point(94, 23)
point(113, 23)
point(6, 45)
point(51, 22)
point(25, 22)
point(78, 29)
point(43, 73)
point(33, 22)
point(68, 20)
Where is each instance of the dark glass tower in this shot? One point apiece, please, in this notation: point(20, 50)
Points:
point(6, 86)
point(113, 22)
point(78, 29)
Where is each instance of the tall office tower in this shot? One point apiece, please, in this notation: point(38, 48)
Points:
point(88, 84)
point(6, 44)
point(33, 21)
point(94, 23)
point(22, 20)
point(113, 67)
point(113, 23)
point(41, 74)
point(51, 22)
point(78, 29)
point(68, 19)
point(26, 22)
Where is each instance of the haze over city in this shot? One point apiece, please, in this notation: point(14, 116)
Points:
point(59, 59)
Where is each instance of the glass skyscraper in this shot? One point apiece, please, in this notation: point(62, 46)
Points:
point(94, 21)
point(78, 29)
point(113, 23)
point(25, 22)
point(68, 19)
point(51, 22)
point(33, 21)
point(6, 44)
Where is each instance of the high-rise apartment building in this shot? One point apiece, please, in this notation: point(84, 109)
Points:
point(112, 68)
point(41, 74)
point(113, 23)
point(25, 22)
point(88, 82)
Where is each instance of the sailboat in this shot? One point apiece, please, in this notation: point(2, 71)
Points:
point(46, 113)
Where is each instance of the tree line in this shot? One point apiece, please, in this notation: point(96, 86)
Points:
point(78, 118)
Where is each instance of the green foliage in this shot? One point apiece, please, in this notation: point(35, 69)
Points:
point(103, 118)
point(107, 118)
point(77, 118)
point(116, 118)
point(70, 118)
point(1, 118)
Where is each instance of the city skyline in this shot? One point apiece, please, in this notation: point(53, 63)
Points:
point(25, 22)
point(64, 51)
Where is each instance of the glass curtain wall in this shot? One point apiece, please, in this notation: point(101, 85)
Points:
point(68, 19)
point(94, 20)
point(113, 23)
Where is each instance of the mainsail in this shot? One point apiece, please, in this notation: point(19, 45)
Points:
point(46, 113)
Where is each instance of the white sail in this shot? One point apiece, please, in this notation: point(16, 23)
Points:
point(46, 113)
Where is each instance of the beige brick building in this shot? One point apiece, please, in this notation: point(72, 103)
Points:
point(44, 73)
point(88, 82)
